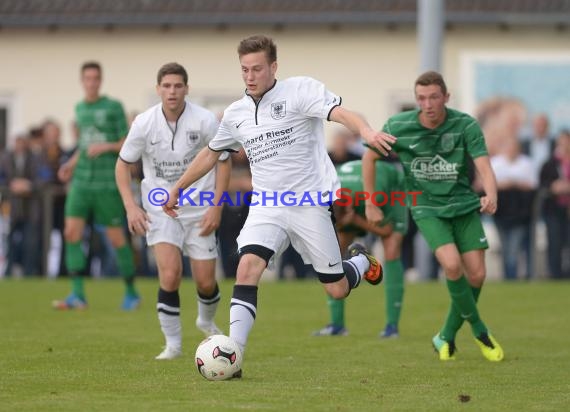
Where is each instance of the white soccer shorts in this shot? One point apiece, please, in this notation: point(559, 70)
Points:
point(308, 228)
point(183, 233)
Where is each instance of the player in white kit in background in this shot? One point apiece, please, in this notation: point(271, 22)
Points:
point(167, 137)
point(280, 125)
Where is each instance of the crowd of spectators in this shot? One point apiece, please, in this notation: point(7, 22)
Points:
point(532, 170)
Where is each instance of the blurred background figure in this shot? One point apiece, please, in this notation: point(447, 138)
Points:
point(501, 119)
point(555, 177)
point(540, 144)
point(21, 173)
point(516, 184)
point(36, 141)
point(344, 146)
point(54, 156)
point(102, 126)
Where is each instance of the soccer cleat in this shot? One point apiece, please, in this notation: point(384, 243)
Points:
point(445, 349)
point(70, 302)
point(131, 302)
point(208, 329)
point(169, 353)
point(390, 331)
point(331, 330)
point(374, 274)
point(490, 348)
point(237, 375)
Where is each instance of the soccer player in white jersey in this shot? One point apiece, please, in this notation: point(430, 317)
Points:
point(280, 125)
point(167, 137)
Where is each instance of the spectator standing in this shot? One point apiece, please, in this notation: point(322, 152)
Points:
point(555, 177)
point(21, 171)
point(540, 144)
point(516, 184)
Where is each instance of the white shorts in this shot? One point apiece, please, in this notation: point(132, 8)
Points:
point(309, 229)
point(183, 233)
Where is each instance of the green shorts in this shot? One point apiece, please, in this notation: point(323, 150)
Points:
point(398, 216)
point(465, 231)
point(105, 205)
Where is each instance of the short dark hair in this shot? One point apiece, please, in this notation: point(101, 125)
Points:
point(257, 43)
point(91, 65)
point(172, 68)
point(429, 78)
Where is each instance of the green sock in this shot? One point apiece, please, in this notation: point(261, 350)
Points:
point(126, 264)
point(75, 262)
point(336, 309)
point(394, 290)
point(77, 285)
point(462, 297)
point(454, 320)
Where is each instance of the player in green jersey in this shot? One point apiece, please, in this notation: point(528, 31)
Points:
point(102, 126)
point(352, 223)
point(434, 144)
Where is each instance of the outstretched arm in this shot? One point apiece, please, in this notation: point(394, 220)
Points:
point(202, 164)
point(373, 212)
point(358, 125)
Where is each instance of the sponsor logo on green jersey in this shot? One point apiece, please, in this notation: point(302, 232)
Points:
point(434, 168)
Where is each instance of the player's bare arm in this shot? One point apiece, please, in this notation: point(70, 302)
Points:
point(489, 182)
point(211, 219)
point(358, 125)
point(137, 218)
point(202, 164)
point(66, 170)
point(382, 231)
point(373, 213)
point(345, 216)
point(97, 149)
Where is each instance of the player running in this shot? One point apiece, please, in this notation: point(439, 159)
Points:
point(102, 127)
point(280, 125)
point(167, 137)
point(434, 144)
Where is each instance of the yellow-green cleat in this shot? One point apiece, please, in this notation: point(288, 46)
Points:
point(490, 348)
point(446, 350)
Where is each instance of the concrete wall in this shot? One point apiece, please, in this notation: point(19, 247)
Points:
point(373, 69)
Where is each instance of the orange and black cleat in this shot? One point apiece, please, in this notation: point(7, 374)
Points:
point(375, 273)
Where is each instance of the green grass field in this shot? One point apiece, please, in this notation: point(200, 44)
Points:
point(102, 359)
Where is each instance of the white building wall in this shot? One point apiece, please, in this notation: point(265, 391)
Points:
point(373, 69)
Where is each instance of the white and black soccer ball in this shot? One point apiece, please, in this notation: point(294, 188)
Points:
point(218, 358)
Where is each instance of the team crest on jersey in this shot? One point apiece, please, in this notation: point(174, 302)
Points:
point(278, 110)
point(100, 117)
point(193, 136)
point(447, 142)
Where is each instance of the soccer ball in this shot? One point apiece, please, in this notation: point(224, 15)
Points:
point(218, 358)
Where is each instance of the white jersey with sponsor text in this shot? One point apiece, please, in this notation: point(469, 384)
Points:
point(167, 150)
point(283, 137)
